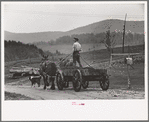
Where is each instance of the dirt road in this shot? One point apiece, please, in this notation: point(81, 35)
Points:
point(94, 91)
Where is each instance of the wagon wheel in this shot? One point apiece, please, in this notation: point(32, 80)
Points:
point(59, 80)
point(104, 83)
point(85, 84)
point(77, 80)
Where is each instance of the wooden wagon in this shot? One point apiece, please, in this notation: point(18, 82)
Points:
point(80, 77)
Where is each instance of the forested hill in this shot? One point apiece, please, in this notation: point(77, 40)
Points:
point(18, 51)
point(96, 38)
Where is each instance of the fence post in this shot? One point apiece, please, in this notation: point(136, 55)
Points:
point(110, 60)
point(129, 83)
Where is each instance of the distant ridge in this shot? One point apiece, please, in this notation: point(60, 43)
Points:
point(98, 27)
point(32, 37)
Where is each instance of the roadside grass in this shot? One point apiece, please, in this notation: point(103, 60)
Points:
point(119, 77)
point(14, 96)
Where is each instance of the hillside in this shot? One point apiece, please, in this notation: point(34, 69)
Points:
point(99, 27)
point(18, 51)
point(115, 24)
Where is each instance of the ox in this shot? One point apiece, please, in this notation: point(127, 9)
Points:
point(48, 70)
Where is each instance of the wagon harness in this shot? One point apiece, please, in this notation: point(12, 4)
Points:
point(80, 56)
point(86, 62)
point(64, 58)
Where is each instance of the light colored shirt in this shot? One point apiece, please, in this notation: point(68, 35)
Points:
point(76, 47)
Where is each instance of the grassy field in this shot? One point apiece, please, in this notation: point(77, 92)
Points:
point(103, 55)
point(67, 48)
point(14, 96)
point(119, 76)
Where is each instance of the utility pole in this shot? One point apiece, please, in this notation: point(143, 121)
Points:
point(124, 33)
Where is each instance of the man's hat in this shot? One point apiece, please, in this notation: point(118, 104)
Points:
point(76, 39)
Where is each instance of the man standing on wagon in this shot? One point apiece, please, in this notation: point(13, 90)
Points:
point(76, 52)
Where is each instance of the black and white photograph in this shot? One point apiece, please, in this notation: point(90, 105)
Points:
point(79, 53)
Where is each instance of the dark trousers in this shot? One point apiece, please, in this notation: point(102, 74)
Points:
point(76, 58)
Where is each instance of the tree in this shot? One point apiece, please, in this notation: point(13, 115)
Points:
point(110, 41)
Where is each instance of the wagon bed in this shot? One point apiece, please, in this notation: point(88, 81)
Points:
point(81, 77)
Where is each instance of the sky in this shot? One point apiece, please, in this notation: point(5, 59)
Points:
point(29, 17)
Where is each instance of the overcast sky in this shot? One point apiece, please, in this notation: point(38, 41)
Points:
point(20, 17)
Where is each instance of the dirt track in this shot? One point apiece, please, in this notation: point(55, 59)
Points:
point(23, 87)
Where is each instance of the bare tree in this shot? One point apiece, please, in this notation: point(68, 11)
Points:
point(110, 41)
